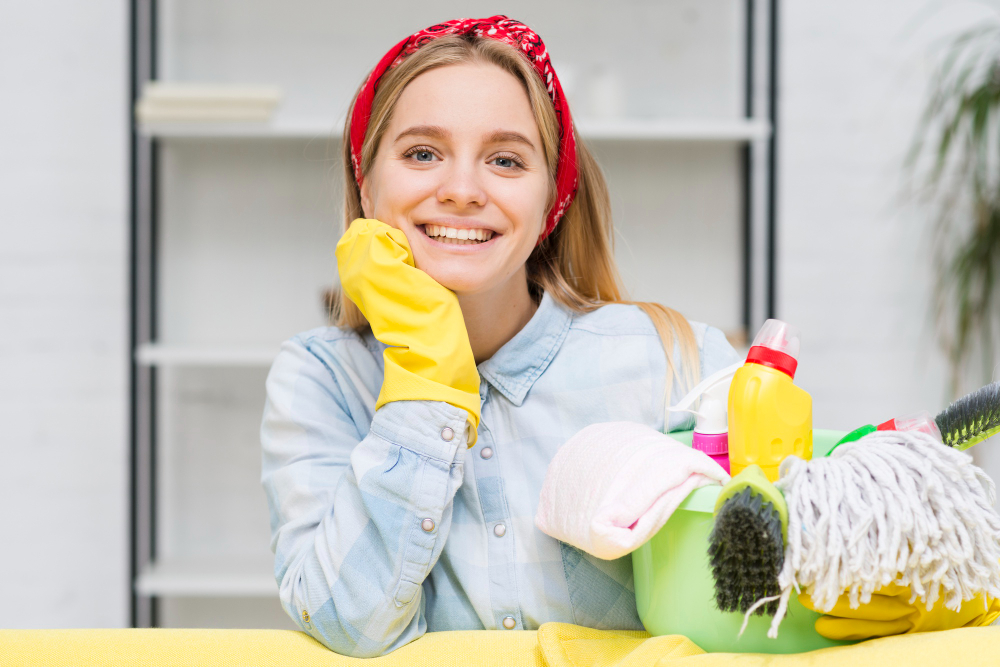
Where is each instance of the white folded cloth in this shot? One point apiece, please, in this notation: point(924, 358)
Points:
point(613, 485)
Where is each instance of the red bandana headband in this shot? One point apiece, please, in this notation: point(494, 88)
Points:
point(506, 30)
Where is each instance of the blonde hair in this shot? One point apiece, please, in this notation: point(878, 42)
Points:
point(575, 263)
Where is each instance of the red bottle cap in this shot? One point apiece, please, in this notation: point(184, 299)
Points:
point(765, 356)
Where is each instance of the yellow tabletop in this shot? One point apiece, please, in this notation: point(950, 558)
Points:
point(553, 645)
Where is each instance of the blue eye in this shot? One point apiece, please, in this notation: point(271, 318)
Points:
point(508, 161)
point(420, 154)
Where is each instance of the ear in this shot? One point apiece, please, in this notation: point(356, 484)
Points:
point(366, 202)
point(541, 231)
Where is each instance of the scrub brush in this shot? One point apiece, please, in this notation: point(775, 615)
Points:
point(971, 419)
point(747, 544)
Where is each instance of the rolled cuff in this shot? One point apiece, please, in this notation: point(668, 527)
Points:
point(424, 427)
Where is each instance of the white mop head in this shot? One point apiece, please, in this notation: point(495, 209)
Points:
point(894, 506)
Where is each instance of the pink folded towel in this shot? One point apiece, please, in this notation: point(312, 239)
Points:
point(614, 484)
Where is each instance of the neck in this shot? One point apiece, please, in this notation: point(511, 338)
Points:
point(492, 318)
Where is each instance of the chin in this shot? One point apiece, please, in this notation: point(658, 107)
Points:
point(459, 284)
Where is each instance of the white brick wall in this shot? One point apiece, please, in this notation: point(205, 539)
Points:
point(853, 263)
point(63, 315)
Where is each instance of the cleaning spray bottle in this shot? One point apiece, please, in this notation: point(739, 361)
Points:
point(919, 421)
point(769, 417)
point(711, 424)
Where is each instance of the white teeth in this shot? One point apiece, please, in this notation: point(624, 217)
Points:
point(458, 234)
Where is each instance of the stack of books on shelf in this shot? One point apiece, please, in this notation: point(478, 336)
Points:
point(168, 102)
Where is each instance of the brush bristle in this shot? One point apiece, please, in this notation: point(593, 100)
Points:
point(972, 418)
point(746, 551)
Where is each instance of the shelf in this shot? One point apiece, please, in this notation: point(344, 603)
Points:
point(594, 130)
point(280, 129)
point(208, 578)
point(181, 355)
point(674, 130)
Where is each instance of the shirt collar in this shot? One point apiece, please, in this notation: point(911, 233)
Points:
point(522, 359)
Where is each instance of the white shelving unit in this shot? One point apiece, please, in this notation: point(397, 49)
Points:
point(235, 225)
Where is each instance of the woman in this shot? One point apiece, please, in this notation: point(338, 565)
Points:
point(404, 447)
point(382, 528)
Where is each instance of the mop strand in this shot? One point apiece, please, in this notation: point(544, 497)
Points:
point(893, 507)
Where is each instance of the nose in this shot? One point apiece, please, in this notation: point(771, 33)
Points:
point(461, 185)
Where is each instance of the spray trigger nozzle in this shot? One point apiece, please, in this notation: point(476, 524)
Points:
point(712, 416)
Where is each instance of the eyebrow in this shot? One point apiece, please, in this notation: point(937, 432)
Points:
point(503, 136)
point(438, 132)
point(433, 131)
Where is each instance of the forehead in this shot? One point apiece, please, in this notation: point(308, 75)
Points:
point(467, 99)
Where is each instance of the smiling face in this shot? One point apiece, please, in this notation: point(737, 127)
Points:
point(463, 150)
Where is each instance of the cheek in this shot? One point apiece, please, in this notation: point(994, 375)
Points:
point(400, 189)
point(524, 199)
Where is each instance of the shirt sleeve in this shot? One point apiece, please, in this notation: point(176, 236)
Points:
point(359, 516)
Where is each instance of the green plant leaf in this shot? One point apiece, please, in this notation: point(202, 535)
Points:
point(957, 144)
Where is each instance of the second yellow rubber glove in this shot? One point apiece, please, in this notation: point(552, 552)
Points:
point(429, 355)
point(890, 613)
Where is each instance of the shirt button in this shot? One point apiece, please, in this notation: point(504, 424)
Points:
point(509, 622)
point(447, 434)
point(305, 615)
point(427, 525)
point(499, 530)
point(486, 453)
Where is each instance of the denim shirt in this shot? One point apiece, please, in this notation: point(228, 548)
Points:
point(384, 525)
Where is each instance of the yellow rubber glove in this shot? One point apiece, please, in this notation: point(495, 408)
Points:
point(429, 355)
point(890, 613)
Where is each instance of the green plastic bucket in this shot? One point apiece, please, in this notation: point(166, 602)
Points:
point(675, 593)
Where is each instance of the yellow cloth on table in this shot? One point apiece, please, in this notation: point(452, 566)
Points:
point(566, 645)
point(553, 645)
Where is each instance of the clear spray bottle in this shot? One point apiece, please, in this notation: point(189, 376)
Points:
point(711, 430)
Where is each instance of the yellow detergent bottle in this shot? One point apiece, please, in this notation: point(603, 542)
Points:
point(769, 417)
